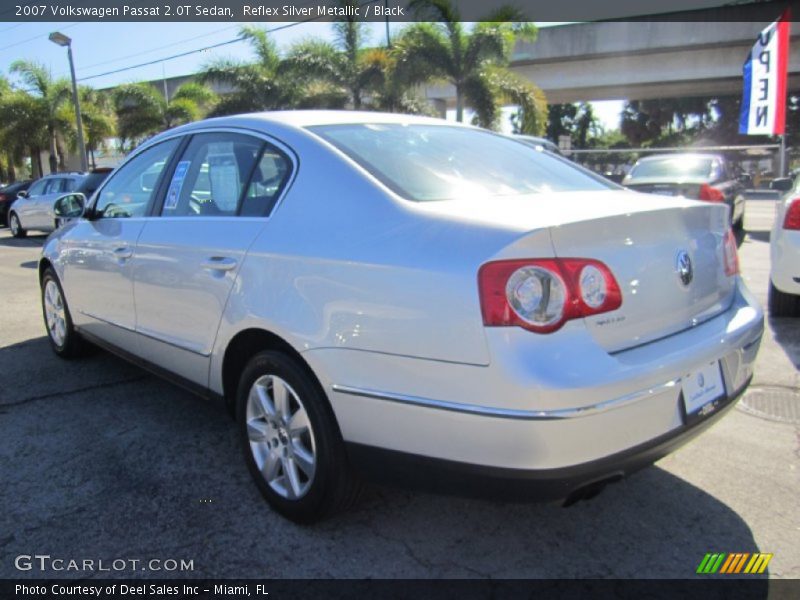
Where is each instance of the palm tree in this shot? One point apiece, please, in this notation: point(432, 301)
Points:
point(142, 111)
point(99, 120)
point(251, 86)
point(344, 66)
point(23, 128)
point(51, 96)
point(474, 62)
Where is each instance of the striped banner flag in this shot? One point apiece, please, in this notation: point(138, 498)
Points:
point(764, 97)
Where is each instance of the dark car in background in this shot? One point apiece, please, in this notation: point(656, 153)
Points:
point(707, 177)
point(8, 194)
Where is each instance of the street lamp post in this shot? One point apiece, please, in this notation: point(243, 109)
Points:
point(62, 40)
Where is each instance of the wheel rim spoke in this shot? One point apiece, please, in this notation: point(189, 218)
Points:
point(270, 469)
point(261, 399)
point(257, 431)
point(299, 424)
point(281, 396)
point(304, 460)
point(292, 477)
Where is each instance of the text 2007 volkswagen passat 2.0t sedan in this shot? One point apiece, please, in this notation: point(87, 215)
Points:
point(403, 296)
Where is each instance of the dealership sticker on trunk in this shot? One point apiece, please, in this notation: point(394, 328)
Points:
point(702, 391)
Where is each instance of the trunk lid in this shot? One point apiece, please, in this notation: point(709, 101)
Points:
point(638, 238)
point(643, 251)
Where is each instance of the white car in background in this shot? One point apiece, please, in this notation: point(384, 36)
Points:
point(784, 277)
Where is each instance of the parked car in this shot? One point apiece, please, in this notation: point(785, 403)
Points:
point(707, 177)
point(7, 196)
point(33, 210)
point(784, 244)
point(395, 296)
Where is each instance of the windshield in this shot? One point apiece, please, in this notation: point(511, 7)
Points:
point(434, 162)
point(674, 166)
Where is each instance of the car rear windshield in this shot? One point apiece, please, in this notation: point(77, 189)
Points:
point(439, 162)
point(674, 166)
point(92, 181)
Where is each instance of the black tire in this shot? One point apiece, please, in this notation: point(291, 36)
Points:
point(782, 304)
point(72, 346)
point(333, 487)
point(16, 228)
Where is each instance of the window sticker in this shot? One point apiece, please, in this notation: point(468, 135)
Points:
point(176, 184)
point(223, 174)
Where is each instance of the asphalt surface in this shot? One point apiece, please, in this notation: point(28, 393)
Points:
point(101, 461)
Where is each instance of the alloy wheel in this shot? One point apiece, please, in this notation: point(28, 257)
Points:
point(55, 315)
point(280, 436)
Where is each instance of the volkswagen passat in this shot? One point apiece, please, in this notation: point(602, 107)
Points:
point(403, 296)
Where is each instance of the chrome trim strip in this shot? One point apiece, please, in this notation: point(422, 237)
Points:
point(509, 413)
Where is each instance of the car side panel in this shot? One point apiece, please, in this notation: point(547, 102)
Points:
point(342, 265)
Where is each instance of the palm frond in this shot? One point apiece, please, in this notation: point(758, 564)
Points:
point(421, 52)
point(33, 74)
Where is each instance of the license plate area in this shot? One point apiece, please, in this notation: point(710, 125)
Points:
point(703, 392)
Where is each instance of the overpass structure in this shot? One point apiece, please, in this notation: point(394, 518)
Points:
point(698, 53)
point(661, 57)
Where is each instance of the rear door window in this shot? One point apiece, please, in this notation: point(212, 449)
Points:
point(37, 188)
point(211, 175)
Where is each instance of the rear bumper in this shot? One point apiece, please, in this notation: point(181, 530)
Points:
point(452, 477)
point(544, 403)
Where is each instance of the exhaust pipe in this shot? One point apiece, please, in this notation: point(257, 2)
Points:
point(591, 490)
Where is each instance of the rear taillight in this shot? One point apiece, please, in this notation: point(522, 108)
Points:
point(711, 194)
point(542, 294)
point(792, 218)
point(2, 197)
point(730, 255)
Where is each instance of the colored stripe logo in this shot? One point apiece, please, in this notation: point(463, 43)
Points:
point(737, 562)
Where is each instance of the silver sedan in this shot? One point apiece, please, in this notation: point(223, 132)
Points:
point(407, 298)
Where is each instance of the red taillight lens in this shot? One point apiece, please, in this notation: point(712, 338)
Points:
point(2, 197)
point(792, 218)
point(730, 254)
point(542, 294)
point(711, 194)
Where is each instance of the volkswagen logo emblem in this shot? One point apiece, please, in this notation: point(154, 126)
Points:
point(683, 264)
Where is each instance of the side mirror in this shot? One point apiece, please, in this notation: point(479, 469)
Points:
point(22, 194)
point(746, 179)
point(782, 184)
point(68, 207)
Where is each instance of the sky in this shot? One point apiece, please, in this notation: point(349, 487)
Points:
point(102, 47)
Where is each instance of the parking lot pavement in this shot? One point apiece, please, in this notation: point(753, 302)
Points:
point(99, 460)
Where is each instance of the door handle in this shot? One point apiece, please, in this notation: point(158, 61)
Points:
point(123, 253)
point(219, 263)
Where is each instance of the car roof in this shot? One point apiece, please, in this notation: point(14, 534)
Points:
point(300, 119)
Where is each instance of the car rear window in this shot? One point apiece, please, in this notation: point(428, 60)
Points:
point(675, 166)
point(439, 162)
point(91, 182)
